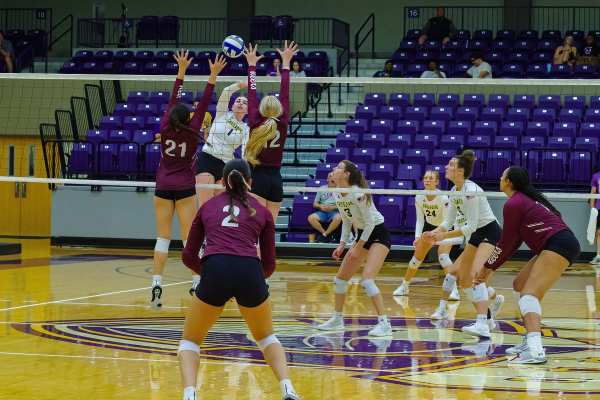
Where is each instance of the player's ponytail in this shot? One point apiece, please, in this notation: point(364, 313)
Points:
point(236, 175)
point(179, 119)
point(271, 109)
point(465, 162)
point(519, 178)
point(356, 177)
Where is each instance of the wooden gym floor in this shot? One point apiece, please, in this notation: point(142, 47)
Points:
point(74, 324)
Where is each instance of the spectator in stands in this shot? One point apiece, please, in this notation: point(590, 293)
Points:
point(433, 71)
point(327, 213)
point(7, 53)
point(480, 69)
point(567, 53)
point(387, 71)
point(275, 68)
point(297, 70)
point(590, 49)
point(438, 28)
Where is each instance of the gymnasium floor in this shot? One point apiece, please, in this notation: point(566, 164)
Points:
point(74, 324)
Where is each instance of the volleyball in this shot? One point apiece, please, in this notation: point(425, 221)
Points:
point(233, 46)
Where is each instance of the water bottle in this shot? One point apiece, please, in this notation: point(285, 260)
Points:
point(548, 67)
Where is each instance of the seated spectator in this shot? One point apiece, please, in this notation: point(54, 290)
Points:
point(480, 69)
point(297, 69)
point(275, 69)
point(567, 53)
point(590, 51)
point(433, 71)
point(327, 213)
point(387, 71)
point(438, 28)
point(7, 54)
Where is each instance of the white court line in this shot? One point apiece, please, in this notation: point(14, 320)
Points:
point(88, 297)
point(591, 298)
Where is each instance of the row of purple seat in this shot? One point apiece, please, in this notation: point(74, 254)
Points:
point(509, 34)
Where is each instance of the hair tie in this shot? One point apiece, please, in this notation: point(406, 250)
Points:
point(274, 119)
point(243, 179)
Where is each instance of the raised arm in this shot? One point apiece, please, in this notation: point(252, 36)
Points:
point(253, 113)
point(225, 97)
point(267, 246)
point(215, 70)
point(194, 242)
point(184, 62)
point(286, 54)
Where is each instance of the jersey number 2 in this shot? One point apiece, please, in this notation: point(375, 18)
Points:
point(227, 222)
point(274, 143)
point(171, 145)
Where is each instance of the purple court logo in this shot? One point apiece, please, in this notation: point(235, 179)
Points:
point(421, 352)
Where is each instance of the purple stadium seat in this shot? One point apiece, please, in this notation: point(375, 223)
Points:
point(403, 57)
point(565, 129)
point(407, 127)
point(459, 127)
point(375, 99)
point(585, 71)
point(417, 156)
point(119, 135)
point(374, 140)
point(575, 102)
point(570, 115)
point(301, 209)
point(146, 110)
point(136, 98)
point(577, 34)
point(91, 67)
point(452, 142)
point(561, 71)
point(415, 70)
point(590, 129)
point(492, 114)
point(536, 70)
point(315, 182)
point(424, 100)
point(408, 44)
point(382, 172)
point(474, 100)
point(455, 44)
point(392, 210)
point(393, 113)
point(365, 112)
point(546, 45)
point(152, 68)
point(171, 68)
point(512, 128)
point(423, 56)
point(532, 142)
point(416, 113)
point(70, 67)
point(411, 213)
point(526, 45)
point(431, 45)
point(483, 34)
point(587, 143)
point(357, 126)
point(425, 141)
point(549, 101)
point(433, 128)
point(580, 167)
point(442, 156)
point(347, 140)
point(443, 113)
point(488, 128)
point(124, 110)
point(501, 45)
point(555, 36)
point(496, 162)
point(399, 99)
point(97, 136)
point(538, 128)
point(518, 57)
point(592, 115)
point(544, 114)
point(107, 154)
point(506, 34)
point(390, 155)
point(553, 166)
point(322, 170)
point(110, 123)
point(142, 137)
point(448, 100)
point(363, 155)
point(127, 161)
point(83, 56)
point(159, 97)
point(151, 158)
point(81, 158)
point(448, 55)
point(402, 185)
point(187, 96)
point(524, 101)
point(479, 141)
point(400, 141)
point(517, 114)
point(384, 126)
point(513, 70)
point(478, 164)
point(152, 124)
point(560, 142)
point(543, 58)
point(144, 56)
point(468, 113)
point(498, 101)
point(511, 142)
point(131, 67)
point(335, 155)
point(133, 123)
point(409, 172)
point(595, 102)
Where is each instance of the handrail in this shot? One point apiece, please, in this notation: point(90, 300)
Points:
point(68, 30)
point(294, 132)
point(359, 42)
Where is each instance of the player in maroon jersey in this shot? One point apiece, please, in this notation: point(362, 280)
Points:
point(232, 223)
point(529, 217)
point(175, 176)
point(268, 130)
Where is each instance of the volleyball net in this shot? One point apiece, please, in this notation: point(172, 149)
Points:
point(99, 155)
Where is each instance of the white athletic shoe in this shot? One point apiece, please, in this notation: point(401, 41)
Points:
point(155, 301)
point(519, 348)
point(440, 313)
point(475, 329)
point(496, 305)
point(334, 323)
point(402, 290)
point(595, 260)
point(454, 295)
point(527, 357)
point(383, 328)
point(492, 324)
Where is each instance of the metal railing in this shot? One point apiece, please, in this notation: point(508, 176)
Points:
point(58, 31)
point(358, 41)
point(26, 19)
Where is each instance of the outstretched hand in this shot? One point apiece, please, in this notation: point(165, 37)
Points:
point(182, 59)
point(251, 55)
point(217, 66)
point(287, 53)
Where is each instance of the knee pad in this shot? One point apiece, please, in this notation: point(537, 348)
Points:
point(468, 292)
point(162, 245)
point(530, 304)
point(414, 263)
point(491, 292)
point(449, 283)
point(480, 293)
point(266, 342)
point(340, 285)
point(186, 345)
point(370, 287)
point(445, 260)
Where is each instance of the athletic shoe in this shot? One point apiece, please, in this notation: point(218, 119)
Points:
point(440, 313)
point(454, 295)
point(491, 324)
point(383, 328)
point(475, 329)
point(156, 302)
point(519, 348)
point(595, 260)
point(496, 305)
point(402, 290)
point(333, 324)
point(527, 357)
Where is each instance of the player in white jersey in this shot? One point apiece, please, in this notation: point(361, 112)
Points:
point(430, 214)
point(479, 226)
point(227, 132)
point(372, 244)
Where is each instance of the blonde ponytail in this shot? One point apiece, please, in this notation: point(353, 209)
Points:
point(270, 108)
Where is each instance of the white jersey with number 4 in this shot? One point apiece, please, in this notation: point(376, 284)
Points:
point(356, 210)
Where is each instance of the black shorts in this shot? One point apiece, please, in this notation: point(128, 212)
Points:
point(379, 235)
point(175, 194)
point(489, 233)
point(598, 222)
point(267, 183)
point(211, 164)
point(427, 227)
point(225, 276)
point(565, 244)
